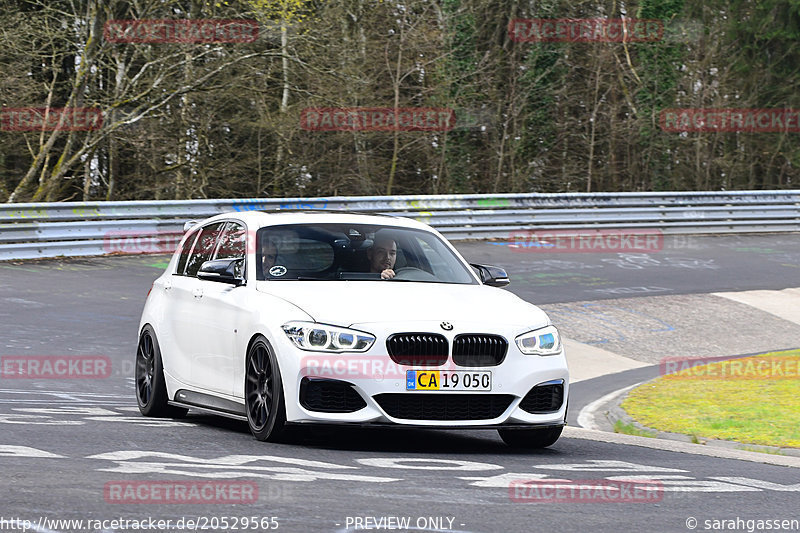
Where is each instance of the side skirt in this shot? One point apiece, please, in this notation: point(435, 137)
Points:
point(209, 404)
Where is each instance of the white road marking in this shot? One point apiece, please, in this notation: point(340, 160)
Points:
point(504, 480)
point(231, 460)
point(586, 416)
point(760, 484)
point(8, 450)
point(600, 465)
point(67, 410)
point(669, 483)
point(231, 466)
point(276, 473)
point(49, 416)
point(36, 420)
point(143, 421)
point(428, 464)
point(687, 484)
point(50, 402)
point(234, 466)
point(54, 393)
point(66, 396)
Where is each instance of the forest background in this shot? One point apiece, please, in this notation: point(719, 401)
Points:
point(188, 120)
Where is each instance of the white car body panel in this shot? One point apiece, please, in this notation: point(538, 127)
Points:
point(350, 302)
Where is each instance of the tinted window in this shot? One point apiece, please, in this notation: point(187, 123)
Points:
point(344, 252)
point(203, 248)
point(185, 251)
point(294, 248)
point(232, 243)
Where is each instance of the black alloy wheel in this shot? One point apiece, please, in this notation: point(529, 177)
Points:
point(263, 391)
point(151, 389)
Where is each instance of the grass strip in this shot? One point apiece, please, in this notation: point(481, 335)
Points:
point(753, 400)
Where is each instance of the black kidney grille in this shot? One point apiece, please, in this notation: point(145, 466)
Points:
point(436, 406)
point(543, 399)
point(329, 396)
point(474, 349)
point(418, 349)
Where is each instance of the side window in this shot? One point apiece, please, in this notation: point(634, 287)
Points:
point(203, 248)
point(233, 245)
point(185, 251)
point(297, 253)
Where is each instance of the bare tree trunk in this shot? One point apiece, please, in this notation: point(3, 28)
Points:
point(593, 127)
point(500, 152)
point(87, 178)
point(113, 167)
point(397, 79)
point(359, 144)
point(183, 171)
point(113, 161)
point(50, 189)
point(41, 157)
point(280, 171)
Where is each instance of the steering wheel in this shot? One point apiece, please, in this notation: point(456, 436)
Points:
point(414, 274)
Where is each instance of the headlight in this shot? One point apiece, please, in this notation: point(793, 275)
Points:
point(544, 341)
point(325, 338)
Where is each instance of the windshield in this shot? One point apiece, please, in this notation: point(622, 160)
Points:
point(356, 252)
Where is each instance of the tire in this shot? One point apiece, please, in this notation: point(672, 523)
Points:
point(530, 438)
point(151, 388)
point(263, 393)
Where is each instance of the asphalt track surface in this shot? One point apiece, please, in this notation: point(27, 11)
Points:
point(62, 442)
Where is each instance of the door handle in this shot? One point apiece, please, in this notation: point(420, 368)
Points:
point(167, 285)
point(198, 293)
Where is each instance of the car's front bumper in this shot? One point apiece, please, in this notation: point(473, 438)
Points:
point(373, 373)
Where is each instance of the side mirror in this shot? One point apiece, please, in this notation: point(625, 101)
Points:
point(223, 270)
point(189, 225)
point(492, 275)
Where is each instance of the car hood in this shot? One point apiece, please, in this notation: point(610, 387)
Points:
point(345, 303)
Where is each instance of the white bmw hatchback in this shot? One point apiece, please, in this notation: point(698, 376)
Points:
point(338, 318)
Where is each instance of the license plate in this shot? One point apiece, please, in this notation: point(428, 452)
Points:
point(429, 380)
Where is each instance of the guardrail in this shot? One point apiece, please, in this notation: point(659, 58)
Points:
point(95, 228)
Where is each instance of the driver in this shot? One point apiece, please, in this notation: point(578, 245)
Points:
point(382, 256)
